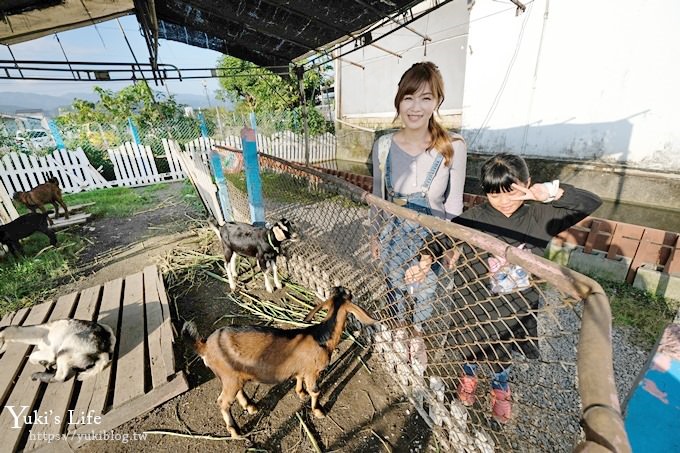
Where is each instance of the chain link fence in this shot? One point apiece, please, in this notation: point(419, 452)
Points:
point(551, 329)
point(279, 134)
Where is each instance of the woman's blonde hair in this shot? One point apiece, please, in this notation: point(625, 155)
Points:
point(415, 77)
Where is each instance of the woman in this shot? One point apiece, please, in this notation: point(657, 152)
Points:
point(421, 167)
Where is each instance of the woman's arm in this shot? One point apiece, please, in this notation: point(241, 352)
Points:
point(453, 205)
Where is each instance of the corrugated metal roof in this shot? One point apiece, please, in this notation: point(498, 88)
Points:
point(265, 32)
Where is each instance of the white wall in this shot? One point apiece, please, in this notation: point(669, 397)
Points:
point(576, 79)
point(369, 92)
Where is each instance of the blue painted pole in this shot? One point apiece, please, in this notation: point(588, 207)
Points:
point(216, 164)
point(134, 132)
point(203, 126)
point(56, 134)
point(252, 169)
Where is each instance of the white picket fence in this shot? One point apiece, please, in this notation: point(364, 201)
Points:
point(134, 165)
point(284, 145)
point(21, 172)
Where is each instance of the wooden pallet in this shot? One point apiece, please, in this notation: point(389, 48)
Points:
point(141, 376)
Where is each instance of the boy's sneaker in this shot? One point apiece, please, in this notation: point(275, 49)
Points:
point(466, 389)
point(501, 407)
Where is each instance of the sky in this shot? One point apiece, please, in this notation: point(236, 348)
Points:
point(85, 44)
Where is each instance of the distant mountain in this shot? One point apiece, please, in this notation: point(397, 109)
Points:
point(10, 102)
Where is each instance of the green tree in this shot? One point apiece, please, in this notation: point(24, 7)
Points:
point(259, 90)
point(97, 126)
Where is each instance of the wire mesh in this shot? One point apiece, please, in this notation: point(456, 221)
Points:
point(460, 318)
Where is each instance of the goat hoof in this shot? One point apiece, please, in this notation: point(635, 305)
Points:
point(234, 434)
point(251, 408)
point(302, 394)
point(318, 413)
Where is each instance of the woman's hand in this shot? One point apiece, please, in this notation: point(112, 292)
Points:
point(375, 248)
point(417, 273)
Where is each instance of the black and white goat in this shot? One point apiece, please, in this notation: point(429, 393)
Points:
point(262, 243)
point(238, 354)
point(65, 347)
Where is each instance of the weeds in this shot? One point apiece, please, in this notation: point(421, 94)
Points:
point(31, 279)
point(647, 314)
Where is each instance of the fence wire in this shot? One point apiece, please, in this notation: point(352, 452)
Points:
point(551, 328)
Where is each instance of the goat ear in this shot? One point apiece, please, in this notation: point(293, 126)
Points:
point(326, 304)
point(360, 314)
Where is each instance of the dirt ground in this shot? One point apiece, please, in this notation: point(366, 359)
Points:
point(366, 411)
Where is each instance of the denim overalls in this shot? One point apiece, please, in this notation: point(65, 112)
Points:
point(400, 243)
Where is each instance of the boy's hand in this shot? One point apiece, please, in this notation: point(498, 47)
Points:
point(417, 273)
point(537, 192)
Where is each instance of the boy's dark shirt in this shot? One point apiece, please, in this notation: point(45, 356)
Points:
point(533, 224)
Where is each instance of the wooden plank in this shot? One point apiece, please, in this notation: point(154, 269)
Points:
point(25, 390)
point(116, 166)
point(126, 170)
point(8, 205)
point(154, 321)
point(72, 220)
point(130, 366)
point(20, 171)
point(167, 337)
point(74, 207)
point(61, 446)
point(176, 385)
point(57, 395)
point(39, 173)
point(28, 168)
point(12, 173)
point(14, 355)
point(152, 164)
point(93, 392)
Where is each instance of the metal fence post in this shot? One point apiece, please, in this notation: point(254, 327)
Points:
point(252, 170)
point(134, 132)
point(56, 134)
point(203, 126)
point(225, 203)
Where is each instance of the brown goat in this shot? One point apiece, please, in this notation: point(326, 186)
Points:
point(48, 192)
point(238, 354)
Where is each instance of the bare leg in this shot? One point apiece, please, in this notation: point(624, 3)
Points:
point(310, 382)
point(64, 371)
point(267, 283)
point(225, 401)
point(277, 283)
point(229, 256)
point(298, 388)
point(245, 403)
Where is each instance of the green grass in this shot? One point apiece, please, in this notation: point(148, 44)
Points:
point(280, 187)
point(117, 201)
point(647, 314)
point(190, 197)
point(34, 277)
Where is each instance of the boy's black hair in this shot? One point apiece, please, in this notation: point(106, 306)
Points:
point(501, 171)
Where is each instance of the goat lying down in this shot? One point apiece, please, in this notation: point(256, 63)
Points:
point(262, 243)
point(238, 354)
point(64, 347)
